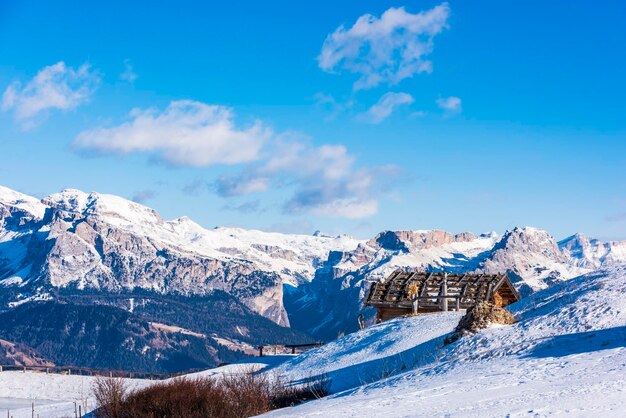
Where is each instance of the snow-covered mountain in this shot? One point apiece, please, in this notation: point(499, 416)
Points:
point(592, 253)
point(103, 242)
point(330, 303)
point(88, 246)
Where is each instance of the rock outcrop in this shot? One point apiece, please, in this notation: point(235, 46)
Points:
point(479, 317)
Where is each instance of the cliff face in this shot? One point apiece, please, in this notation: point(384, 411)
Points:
point(416, 240)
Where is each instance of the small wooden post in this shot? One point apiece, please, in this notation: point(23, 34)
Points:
point(458, 303)
point(260, 351)
point(413, 294)
point(33, 410)
point(80, 411)
point(361, 320)
point(444, 293)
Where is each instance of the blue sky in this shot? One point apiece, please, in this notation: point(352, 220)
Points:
point(296, 116)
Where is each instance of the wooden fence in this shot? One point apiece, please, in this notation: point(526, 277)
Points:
point(287, 347)
point(85, 371)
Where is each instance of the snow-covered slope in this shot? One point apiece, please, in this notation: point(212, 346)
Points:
point(12, 199)
point(565, 356)
point(373, 353)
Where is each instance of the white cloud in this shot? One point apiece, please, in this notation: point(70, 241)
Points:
point(330, 104)
point(320, 180)
point(142, 196)
point(128, 74)
point(240, 185)
point(327, 162)
point(54, 87)
point(385, 106)
point(386, 49)
point(449, 104)
point(186, 133)
point(343, 199)
point(253, 206)
point(324, 180)
point(299, 226)
point(351, 208)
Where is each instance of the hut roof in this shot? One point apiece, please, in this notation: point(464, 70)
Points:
point(401, 286)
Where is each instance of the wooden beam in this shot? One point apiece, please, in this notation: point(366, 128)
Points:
point(425, 284)
point(388, 290)
point(444, 293)
point(371, 292)
point(488, 294)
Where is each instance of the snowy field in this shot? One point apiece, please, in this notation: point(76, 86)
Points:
point(585, 384)
point(566, 356)
point(54, 395)
point(374, 353)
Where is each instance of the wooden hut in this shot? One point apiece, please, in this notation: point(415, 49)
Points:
point(405, 292)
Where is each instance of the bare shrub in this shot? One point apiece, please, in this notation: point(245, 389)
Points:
point(180, 397)
point(248, 394)
point(110, 394)
point(234, 396)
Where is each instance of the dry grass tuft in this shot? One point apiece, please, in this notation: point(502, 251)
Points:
point(235, 396)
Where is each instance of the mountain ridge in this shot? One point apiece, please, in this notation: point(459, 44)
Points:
point(74, 242)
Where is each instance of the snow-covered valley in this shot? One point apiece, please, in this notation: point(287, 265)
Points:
point(565, 356)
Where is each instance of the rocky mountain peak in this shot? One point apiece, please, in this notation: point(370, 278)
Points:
point(22, 202)
point(417, 240)
point(592, 253)
point(529, 239)
point(94, 204)
point(576, 244)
